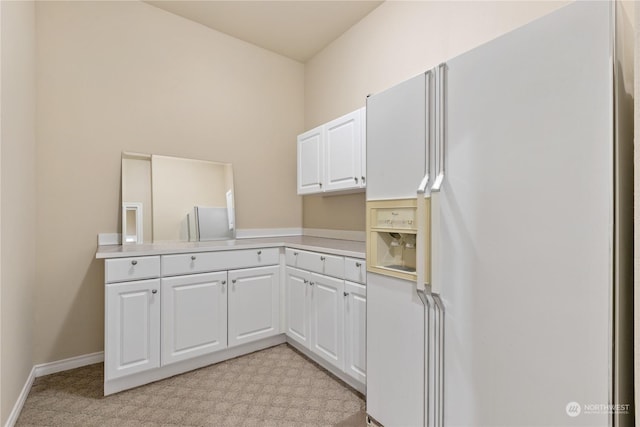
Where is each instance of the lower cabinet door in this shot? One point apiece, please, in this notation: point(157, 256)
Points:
point(254, 304)
point(327, 318)
point(194, 316)
point(355, 324)
point(297, 305)
point(132, 327)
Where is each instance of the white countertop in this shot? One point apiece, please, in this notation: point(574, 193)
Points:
point(347, 248)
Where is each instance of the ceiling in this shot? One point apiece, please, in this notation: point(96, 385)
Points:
point(297, 29)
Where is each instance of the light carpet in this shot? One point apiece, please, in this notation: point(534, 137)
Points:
point(273, 387)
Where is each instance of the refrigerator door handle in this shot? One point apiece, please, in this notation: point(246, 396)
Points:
point(421, 238)
point(436, 281)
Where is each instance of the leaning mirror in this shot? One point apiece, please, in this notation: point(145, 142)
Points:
point(176, 199)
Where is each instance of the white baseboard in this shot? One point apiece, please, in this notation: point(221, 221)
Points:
point(249, 233)
point(47, 369)
point(17, 408)
point(67, 364)
point(359, 236)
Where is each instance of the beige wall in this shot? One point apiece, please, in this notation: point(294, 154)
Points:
point(396, 41)
point(18, 195)
point(116, 76)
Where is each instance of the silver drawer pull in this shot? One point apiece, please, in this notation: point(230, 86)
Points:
point(193, 257)
point(134, 262)
point(346, 294)
point(154, 291)
point(358, 264)
point(259, 252)
point(306, 281)
point(322, 258)
point(234, 281)
point(224, 282)
point(295, 254)
point(310, 283)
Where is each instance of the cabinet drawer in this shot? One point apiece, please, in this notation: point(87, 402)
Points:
point(355, 270)
point(201, 262)
point(331, 265)
point(135, 268)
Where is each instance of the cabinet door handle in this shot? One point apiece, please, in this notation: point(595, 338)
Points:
point(358, 264)
point(193, 257)
point(322, 258)
point(134, 262)
point(355, 178)
point(362, 178)
point(306, 281)
point(259, 252)
point(224, 282)
point(154, 291)
point(310, 283)
point(295, 254)
point(346, 294)
point(320, 185)
point(234, 281)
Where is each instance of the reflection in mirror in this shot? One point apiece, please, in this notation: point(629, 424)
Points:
point(181, 199)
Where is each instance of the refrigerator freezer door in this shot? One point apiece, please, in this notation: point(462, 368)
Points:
point(396, 140)
point(395, 352)
point(526, 215)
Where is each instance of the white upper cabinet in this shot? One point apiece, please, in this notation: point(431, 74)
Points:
point(310, 161)
point(342, 152)
point(331, 157)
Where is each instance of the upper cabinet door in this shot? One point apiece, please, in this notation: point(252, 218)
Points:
point(342, 152)
point(310, 161)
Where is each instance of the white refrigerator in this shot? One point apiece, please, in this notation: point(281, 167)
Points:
point(509, 294)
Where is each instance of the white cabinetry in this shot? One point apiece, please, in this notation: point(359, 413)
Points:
point(332, 157)
point(195, 309)
point(254, 304)
point(310, 161)
point(132, 327)
point(355, 318)
point(324, 313)
point(327, 318)
point(297, 305)
point(343, 152)
point(194, 315)
point(172, 313)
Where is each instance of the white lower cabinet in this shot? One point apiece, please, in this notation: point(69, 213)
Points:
point(355, 321)
point(254, 304)
point(327, 315)
point(194, 315)
point(327, 326)
point(166, 314)
point(297, 305)
point(132, 332)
